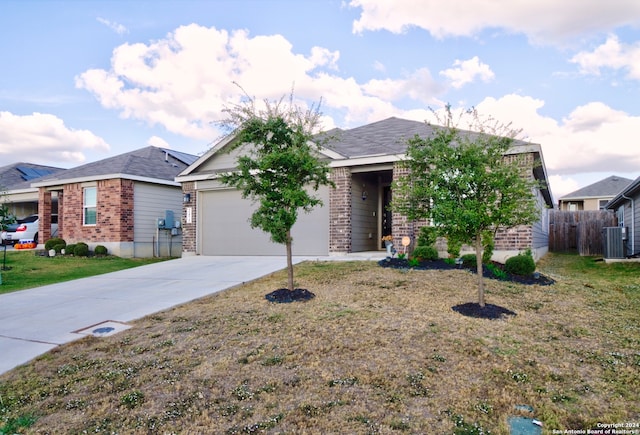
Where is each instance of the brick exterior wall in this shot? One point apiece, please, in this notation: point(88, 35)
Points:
point(114, 220)
point(340, 211)
point(189, 229)
point(518, 238)
point(44, 207)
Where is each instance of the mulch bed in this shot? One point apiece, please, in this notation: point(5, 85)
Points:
point(285, 296)
point(398, 263)
point(489, 311)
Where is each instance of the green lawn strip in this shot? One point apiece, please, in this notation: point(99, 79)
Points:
point(27, 270)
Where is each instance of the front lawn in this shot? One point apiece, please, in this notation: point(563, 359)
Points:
point(25, 269)
point(378, 350)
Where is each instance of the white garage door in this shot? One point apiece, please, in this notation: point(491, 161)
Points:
point(224, 227)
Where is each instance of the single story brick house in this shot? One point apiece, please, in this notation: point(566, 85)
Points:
point(626, 205)
point(117, 202)
point(364, 161)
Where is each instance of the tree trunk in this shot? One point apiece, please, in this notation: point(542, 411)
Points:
point(289, 260)
point(479, 265)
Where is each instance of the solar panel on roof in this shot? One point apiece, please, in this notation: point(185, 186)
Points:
point(32, 173)
point(183, 157)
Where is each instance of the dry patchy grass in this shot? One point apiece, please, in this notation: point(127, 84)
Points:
point(376, 351)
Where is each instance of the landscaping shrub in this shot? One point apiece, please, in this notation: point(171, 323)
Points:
point(52, 242)
point(521, 264)
point(59, 247)
point(453, 248)
point(100, 250)
point(469, 260)
point(427, 236)
point(425, 253)
point(69, 249)
point(81, 250)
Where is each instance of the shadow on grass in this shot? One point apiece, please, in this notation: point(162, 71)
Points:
point(489, 311)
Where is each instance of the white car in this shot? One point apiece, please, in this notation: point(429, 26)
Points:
point(27, 229)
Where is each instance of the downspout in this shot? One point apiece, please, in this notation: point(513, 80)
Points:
point(633, 225)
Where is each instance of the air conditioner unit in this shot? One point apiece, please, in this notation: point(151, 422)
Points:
point(614, 242)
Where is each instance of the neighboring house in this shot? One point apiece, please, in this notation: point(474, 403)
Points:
point(118, 202)
point(364, 161)
point(594, 196)
point(16, 190)
point(626, 205)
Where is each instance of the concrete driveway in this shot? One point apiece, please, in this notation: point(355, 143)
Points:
point(35, 321)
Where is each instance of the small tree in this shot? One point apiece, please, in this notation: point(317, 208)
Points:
point(463, 181)
point(279, 166)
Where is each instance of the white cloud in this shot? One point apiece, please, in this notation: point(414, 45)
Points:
point(563, 185)
point(379, 66)
point(592, 138)
point(158, 142)
point(184, 81)
point(44, 138)
point(118, 28)
point(541, 20)
point(466, 71)
point(612, 54)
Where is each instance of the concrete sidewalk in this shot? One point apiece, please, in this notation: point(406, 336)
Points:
point(35, 321)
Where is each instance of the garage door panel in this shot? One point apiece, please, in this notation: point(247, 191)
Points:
point(225, 228)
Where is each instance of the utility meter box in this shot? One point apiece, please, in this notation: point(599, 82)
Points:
point(161, 223)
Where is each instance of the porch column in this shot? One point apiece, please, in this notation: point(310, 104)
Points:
point(340, 211)
point(401, 226)
point(60, 214)
point(44, 213)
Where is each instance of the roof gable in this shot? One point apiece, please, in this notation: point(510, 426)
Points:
point(607, 187)
point(151, 163)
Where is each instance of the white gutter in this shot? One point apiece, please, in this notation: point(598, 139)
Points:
point(57, 183)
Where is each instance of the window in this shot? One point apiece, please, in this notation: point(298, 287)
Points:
point(602, 203)
point(620, 216)
point(89, 206)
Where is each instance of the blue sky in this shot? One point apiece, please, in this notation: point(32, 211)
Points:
point(84, 80)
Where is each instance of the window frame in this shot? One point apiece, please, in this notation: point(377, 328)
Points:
point(86, 207)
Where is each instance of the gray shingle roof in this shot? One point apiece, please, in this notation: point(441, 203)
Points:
point(149, 162)
point(386, 137)
point(608, 187)
point(17, 175)
point(631, 190)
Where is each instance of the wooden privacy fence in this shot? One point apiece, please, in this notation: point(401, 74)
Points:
point(579, 230)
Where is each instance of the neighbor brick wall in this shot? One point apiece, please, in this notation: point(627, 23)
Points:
point(114, 221)
point(189, 229)
point(340, 211)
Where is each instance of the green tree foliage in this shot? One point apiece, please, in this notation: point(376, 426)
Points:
point(463, 182)
point(279, 168)
point(6, 218)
